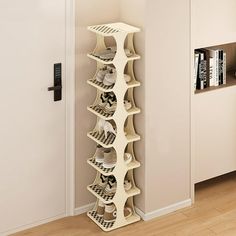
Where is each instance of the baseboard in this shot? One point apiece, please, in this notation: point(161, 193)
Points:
point(164, 211)
point(28, 226)
point(83, 209)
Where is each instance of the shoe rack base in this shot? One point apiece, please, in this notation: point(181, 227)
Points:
point(121, 119)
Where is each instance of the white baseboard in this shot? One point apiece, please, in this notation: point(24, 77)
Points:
point(83, 209)
point(28, 226)
point(164, 211)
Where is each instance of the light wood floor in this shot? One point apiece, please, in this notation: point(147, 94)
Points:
point(214, 213)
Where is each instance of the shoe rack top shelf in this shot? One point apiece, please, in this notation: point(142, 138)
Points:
point(112, 29)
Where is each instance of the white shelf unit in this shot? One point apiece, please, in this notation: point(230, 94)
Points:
point(214, 109)
point(121, 119)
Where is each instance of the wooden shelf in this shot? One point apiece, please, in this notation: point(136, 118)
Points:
point(105, 88)
point(231, 81)
point(110, 61)
point(109, 171)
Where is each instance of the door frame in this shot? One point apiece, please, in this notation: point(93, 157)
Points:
point(70, 106)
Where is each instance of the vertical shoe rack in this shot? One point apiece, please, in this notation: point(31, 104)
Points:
point(122, 120)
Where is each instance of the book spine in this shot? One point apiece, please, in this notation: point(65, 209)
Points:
point(203, 73)
point(221, 67)
point(211, 69)
point(217, 68)
point(196, 63)
point(224, 68)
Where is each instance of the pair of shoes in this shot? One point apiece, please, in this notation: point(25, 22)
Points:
point(107, 75)
point(110, 52)
point(105, 156)
point(109, 184)
point(109, 213)
point(105, 126)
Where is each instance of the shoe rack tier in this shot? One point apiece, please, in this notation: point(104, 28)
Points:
point(133, 164)
point(121, 119)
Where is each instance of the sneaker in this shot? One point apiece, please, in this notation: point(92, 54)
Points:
point(111, 185)
point(127, 212)
point(127, 105)
point(99, 154)
point(128, 158)
point(101, 74)
point(103, 53)
point(110, 77)
point(104, 99)
point(127, 78)
point(100, 208)
point(109, 159)
point(111, 104)
point(110, 213)
point(127, 185)
point(103, 181)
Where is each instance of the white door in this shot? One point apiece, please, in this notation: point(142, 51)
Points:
point(32, 125)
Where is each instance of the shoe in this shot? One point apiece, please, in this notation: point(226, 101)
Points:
point(101, 74)
point(128, 158)
point(99, 154)
point(111, 104)
point(127, 78)
point(103, 181)
point(127, 212)
point(111, 185)
point(128, 52)
point(110, 213)
point(110, 77)
point(127, 104)
point(108, 50)
point(105, 126)
point(100, 208)
point(127, 185)
point(104, 98)
point(109, 159)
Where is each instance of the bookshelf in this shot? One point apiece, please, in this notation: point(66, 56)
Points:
point(213, 109)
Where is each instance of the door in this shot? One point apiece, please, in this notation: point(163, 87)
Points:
point(32, 125)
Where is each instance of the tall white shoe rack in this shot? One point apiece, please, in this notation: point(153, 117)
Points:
point(121, 119)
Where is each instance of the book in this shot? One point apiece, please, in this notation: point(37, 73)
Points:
point(200, 71)
point(213, 55)
point(224, 68)
point(196, 62)
point(211, 71)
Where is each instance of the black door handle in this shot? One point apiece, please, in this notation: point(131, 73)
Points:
point(57, 88)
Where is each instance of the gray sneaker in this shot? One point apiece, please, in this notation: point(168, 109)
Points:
point(110, 77)
point(99, 154)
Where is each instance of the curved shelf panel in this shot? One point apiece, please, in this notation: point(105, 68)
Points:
point(110, 61)
point(133, 192)
point(105, 88)
point(100, 138)
point(106, 226)
point(98, 192)
point(132, 138)
point(100, 113)
point(109, 171)
point(100, 168)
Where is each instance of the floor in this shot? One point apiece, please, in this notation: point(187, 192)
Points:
point(214, 213)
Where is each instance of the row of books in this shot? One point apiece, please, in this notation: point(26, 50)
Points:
point(210, 68)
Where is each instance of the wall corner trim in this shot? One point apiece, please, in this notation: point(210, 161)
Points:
point(83, 209)
point(163, 211)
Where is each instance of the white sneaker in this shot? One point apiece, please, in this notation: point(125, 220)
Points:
point(127, 185)
point(127, 104)
point(101, 74)
point(127, 78)
point(110, 77)
point(128, 158)
point(109, 159)
point(99, 154)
